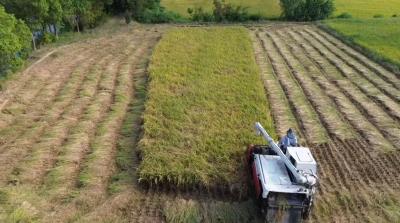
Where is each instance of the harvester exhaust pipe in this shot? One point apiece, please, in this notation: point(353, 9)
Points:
point(301, 177)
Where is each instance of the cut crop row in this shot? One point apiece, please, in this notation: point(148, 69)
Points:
point(314, 130)
point(97, 162)
point(280, 108)
point(17, 148)
point(17, 116)
point(323, 77)
point(369, 108)
point(322, 104)
point(388, 76)
point(367, 81)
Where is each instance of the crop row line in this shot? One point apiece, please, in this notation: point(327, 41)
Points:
point(321, 66)
point(367, 107)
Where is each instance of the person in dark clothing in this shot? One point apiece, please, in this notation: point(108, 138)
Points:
point(290, 139)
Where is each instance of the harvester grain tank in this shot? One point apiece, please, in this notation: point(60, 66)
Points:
point(285, 183)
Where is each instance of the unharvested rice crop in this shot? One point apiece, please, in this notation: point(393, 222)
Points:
point(205, 95)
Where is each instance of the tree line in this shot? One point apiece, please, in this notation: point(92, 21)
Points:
point(24, 24)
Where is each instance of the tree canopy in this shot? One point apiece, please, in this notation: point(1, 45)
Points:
point(306, 10)
point(14, 42)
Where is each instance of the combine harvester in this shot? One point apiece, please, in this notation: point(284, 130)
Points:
point(285, 182)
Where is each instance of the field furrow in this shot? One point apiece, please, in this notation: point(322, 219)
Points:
point(322, 104)
point(314, 130)
point(17, 149)
point(91, 177)
point(345, 105)
point(41, 160)
point(368, 107)
point(72, 131)
point(388, 76)
point(357, 174)
point(281, 111)
point(357, 71)
point(62, 178)
point(57, 135)
point(18, 117)
point(380, 91)
point(100, 164)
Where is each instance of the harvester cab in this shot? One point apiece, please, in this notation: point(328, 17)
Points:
point(285, 180)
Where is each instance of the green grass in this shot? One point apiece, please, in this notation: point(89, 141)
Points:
point(380, 36)
point(205, 95)
point(266, 8)
point(368, 8)
point(271, 8)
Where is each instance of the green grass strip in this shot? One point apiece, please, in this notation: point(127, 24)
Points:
point(205, 94)
point(376, 38)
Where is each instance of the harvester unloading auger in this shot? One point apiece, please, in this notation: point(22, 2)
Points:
point(285, 183)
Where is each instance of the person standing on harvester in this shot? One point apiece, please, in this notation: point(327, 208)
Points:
point(290, 139)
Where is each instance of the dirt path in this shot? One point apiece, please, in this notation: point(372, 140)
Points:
point(335, 90)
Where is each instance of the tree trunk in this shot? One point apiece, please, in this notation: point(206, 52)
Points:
point(77, 24)
point(33, 42)
point(56, 30)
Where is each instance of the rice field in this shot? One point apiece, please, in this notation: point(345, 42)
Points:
point(205, 95)
point(271, 8)
point(150, 124)
point(266, 8)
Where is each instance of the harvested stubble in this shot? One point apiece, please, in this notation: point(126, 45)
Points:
point(53, 140)
point(280, 107)
point(368, 107)
point(62, 118)
point(358, 182)
point(204, 96)
point(42, 181)
point(313, 128)
point(322, 104)
point(381, 84)
point(24, 142)
point(16, 117)
point(345, 104)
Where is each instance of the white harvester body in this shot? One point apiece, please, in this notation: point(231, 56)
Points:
point(283, 180)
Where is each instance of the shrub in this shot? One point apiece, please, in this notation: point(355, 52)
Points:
point(14, 42)
point(223, 12)
point(199, 15)
point(151, 11)
point(377, 16)
point(306, 10)
point(128, 18)
point(227, 12)
point(394, 15)
point(344, 15)
point(49, 38)
point(158, 15)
